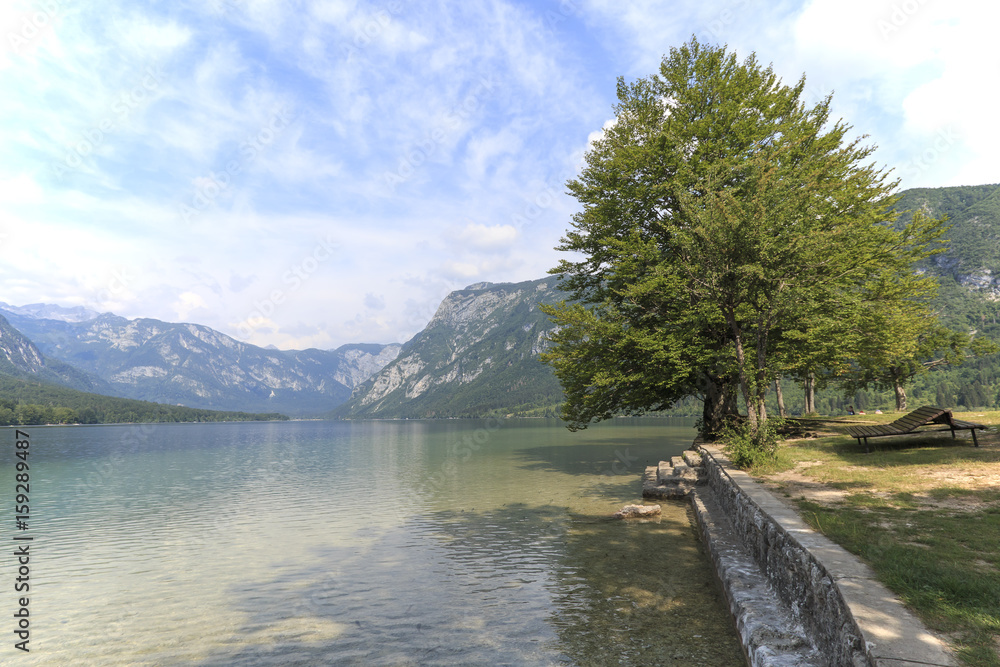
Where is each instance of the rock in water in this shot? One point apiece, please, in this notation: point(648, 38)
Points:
point(630, 511)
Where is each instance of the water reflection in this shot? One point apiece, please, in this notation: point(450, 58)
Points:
point(326, 543)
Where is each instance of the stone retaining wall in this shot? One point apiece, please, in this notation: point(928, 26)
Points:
point(826, 594)
point(801, 582)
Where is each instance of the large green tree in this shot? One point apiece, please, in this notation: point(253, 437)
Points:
point(728, 233)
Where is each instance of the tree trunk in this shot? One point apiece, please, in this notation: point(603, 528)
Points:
point(900, 396)
point(741, 361)
point(810, 391)
point(781, 399)
point(719, 405)
point(761, 385)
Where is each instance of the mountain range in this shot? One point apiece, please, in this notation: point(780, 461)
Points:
point(186, 364)
point(37, 390)
point(478, 356)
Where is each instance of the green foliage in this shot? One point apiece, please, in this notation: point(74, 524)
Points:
point(748, 448)
point(25, 402)
point(603, 365)
point(727, 231)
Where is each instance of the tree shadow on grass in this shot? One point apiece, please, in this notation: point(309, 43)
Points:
point(856, 484)
point(912, 449)
point(943, 565)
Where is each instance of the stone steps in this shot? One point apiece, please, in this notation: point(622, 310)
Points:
point(673, 479)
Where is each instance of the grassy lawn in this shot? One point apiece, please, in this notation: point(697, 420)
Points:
point(922, 511)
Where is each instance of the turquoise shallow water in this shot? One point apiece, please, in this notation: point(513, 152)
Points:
point(368, 543)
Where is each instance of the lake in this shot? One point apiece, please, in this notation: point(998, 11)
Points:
point(358, 543)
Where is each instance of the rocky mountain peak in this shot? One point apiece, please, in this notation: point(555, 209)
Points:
point(17, 352)
point(478, 353)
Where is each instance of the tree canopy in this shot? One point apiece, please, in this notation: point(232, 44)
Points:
point(728, 234)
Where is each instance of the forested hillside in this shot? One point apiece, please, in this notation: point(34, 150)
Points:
point(968, 300)
point(973, 256)
point(25, 402)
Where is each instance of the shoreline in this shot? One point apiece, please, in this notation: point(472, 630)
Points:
point(796, 597)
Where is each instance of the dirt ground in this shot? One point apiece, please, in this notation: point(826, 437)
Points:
point(797, 483)
point(973, 475)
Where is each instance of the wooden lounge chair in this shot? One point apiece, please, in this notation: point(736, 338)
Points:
point(909, 423)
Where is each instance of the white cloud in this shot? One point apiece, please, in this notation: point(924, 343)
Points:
point(489, 105)
point(485, 149)
point(909, 74)
point(148, 39)
point(855, 31)
point(26, 28)
point(21, 189)
point(455, 269)
point(597, 135)
point(187, 303)
point(334, 12)
point(486, 237)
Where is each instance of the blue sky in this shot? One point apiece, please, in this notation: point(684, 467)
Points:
point(314, 173)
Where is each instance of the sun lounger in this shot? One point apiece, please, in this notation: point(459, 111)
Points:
point(924, 416)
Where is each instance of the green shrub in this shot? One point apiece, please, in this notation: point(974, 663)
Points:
point(749, 449)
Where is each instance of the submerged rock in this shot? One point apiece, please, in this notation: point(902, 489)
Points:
point(631, 511)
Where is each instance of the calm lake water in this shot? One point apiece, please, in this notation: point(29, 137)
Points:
point(358, 543)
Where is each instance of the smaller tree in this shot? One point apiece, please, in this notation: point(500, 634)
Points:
point(920, 344)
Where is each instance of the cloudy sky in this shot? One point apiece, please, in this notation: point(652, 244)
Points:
point(311, 173)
